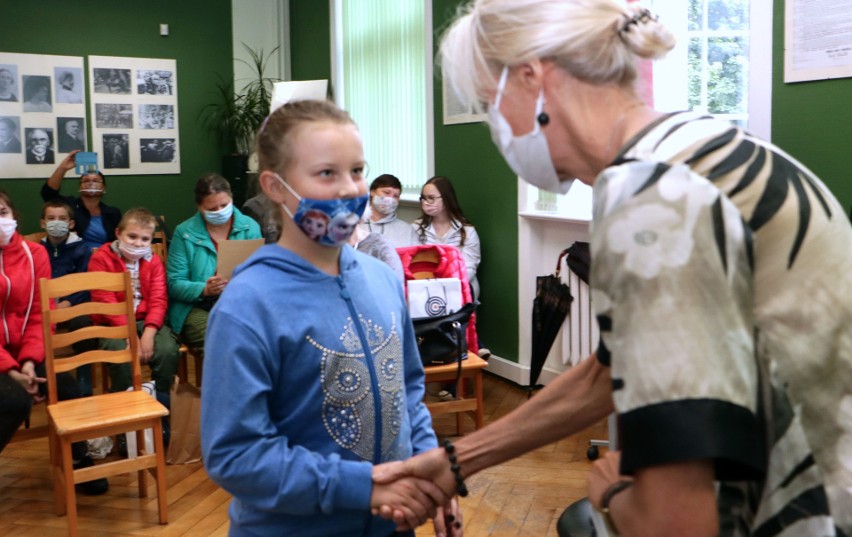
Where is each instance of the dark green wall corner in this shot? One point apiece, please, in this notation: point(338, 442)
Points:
point(200, 41)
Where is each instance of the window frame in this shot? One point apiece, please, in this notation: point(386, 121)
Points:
point(410, 195)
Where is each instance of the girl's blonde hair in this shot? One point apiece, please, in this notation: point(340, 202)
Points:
point(596, 41)
point(274, 147)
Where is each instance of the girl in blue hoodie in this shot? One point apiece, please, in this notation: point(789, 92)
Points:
point(312, 373)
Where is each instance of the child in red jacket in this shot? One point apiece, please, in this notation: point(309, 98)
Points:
point(158, 346)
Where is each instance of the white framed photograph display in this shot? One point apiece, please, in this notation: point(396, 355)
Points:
point(42, 112)
point(134, 115)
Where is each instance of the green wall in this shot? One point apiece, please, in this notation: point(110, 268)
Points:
point(486, 187)
point(488, 192)
point(812, 121)
point(200, 41)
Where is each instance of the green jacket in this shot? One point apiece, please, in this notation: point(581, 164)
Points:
point(192, 259)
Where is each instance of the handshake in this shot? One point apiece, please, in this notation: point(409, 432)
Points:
point(412, 491)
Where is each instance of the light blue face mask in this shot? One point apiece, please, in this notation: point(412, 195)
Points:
point(222, 216)
point(327, 222)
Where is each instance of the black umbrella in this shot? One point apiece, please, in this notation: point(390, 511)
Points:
point(550, 307)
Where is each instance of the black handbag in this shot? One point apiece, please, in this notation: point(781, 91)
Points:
point(443, 340)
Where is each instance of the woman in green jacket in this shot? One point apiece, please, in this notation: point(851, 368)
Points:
point(193, 284)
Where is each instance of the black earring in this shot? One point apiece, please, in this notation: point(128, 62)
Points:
point(543, 119)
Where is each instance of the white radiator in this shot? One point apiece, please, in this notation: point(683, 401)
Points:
point(580, 331)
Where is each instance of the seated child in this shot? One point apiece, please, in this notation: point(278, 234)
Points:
point(158, 346)
point(68, 254)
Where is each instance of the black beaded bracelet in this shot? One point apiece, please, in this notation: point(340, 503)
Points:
point(461, 488)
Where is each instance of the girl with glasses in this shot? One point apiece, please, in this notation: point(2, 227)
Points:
point(443, 222)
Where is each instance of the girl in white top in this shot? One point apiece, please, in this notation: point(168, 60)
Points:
point(442, 222)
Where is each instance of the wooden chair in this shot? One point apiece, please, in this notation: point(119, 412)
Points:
point(35, 237)
point(103, 414)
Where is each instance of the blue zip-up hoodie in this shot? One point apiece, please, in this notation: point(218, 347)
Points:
point(309, 380)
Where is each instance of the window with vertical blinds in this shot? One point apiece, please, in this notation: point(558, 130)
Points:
point(383, 79)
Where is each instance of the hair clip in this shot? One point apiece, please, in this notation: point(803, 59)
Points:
point(641, 17)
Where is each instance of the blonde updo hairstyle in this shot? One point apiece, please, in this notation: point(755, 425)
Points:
point(596, 41)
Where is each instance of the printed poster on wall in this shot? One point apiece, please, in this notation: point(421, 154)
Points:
point(134, 115)
point(42, 112)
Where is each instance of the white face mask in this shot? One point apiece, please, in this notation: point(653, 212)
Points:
point(385, 205)
point(56, 228)
point(133, 253)
point(7, 230)
point(528, 154)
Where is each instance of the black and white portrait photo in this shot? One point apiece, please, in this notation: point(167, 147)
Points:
point(10, 134)
point(115, 151)
point(153, 82)
point(71, 134)
point(158, 150)
point(113, 116)
point(37, 95)
point(8, 83)
point(40, 146)
point(116, 81)
point(156, 116)
point(68, 83)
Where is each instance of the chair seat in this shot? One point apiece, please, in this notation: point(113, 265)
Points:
point(108, 410)
point(576, 520)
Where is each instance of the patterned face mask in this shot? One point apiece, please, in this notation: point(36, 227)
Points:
point(327, 222)
point(385, 205)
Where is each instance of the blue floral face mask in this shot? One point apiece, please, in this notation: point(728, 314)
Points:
point(327, 222)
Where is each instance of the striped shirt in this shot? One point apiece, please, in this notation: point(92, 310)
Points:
point(712, 247)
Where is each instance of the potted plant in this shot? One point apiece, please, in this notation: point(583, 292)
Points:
point(236, 117)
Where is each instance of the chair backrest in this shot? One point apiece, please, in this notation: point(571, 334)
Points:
point(35, 237)
point(52, 289)
point(160, 240)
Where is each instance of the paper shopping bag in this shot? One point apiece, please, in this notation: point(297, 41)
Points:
point(434, 297)
point(185, 444)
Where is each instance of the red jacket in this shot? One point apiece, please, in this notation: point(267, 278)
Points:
point(21, 336)
point(152, 283)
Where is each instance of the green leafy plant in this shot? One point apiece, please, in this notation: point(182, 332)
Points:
point(236, 117)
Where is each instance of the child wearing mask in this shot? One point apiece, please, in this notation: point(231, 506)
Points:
point(68, 254)
point(313, 375)
point(381, 217)
point(131, 251)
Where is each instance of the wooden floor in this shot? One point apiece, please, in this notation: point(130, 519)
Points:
point(523, 497)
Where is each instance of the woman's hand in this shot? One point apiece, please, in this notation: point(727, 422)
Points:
point(146, 344)
point(215, 286)
point(27, 378)
point(605, 472)
point(69, 162)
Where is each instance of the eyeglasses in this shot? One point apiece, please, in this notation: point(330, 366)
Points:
point(429, 199)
